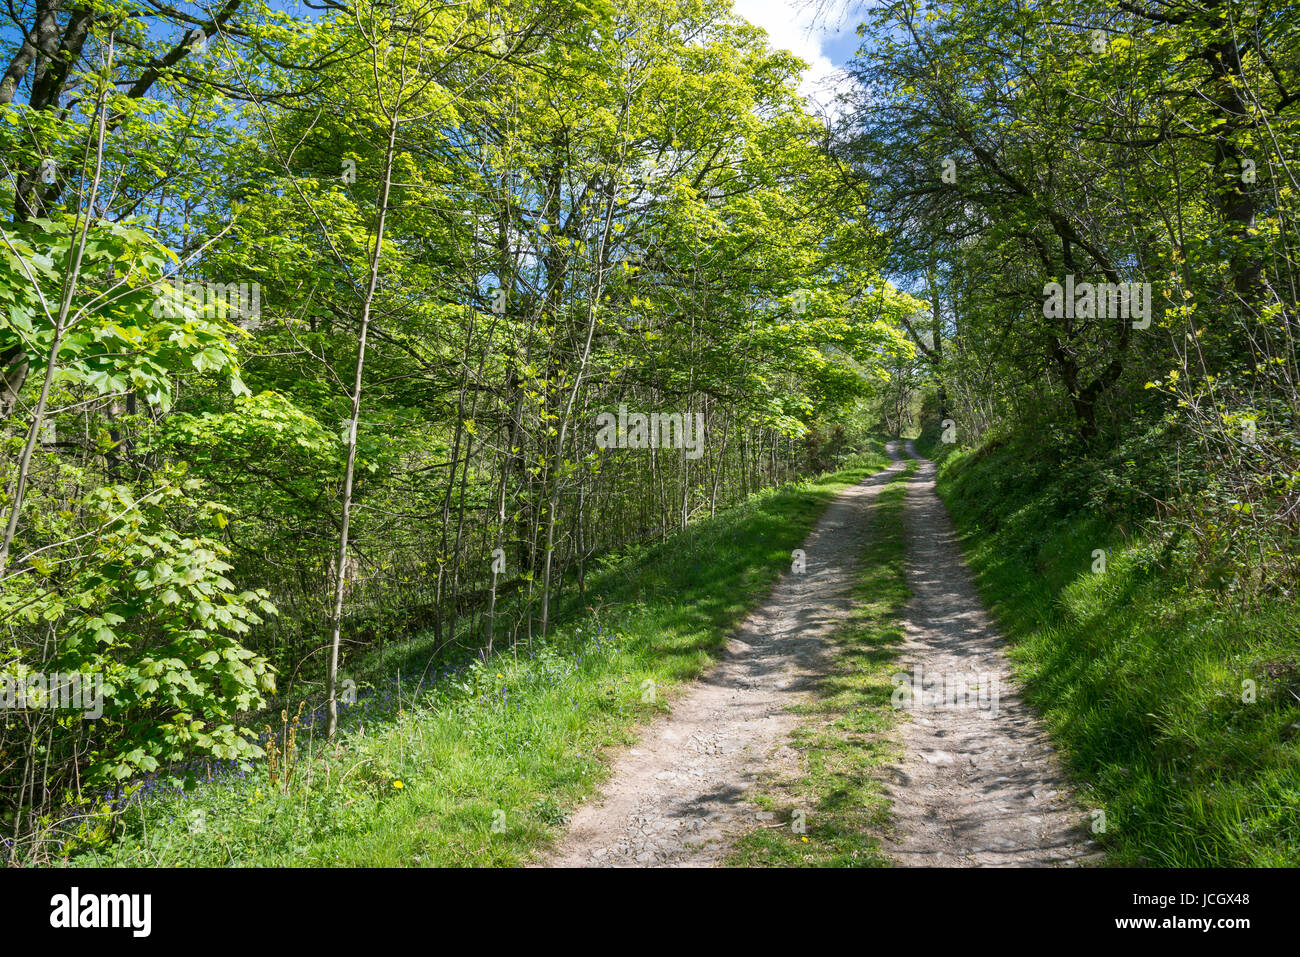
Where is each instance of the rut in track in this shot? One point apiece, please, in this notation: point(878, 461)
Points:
point(978, 785)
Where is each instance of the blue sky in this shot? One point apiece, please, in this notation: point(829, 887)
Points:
point(792, 25)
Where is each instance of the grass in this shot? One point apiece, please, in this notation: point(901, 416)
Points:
point(483, 764)
point(1141, 676)
point(831, 813)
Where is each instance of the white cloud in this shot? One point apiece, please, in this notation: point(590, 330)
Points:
point(790, 25)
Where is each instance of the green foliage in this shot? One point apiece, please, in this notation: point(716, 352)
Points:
point(149, 612)
point(113, 339)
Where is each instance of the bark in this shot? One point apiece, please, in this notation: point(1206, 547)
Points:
point(13, 373)
point(340, 582)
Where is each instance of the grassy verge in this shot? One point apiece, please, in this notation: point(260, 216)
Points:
point(1141, 677)
point(483, 765)
point(838, 798)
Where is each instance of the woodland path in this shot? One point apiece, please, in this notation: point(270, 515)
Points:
point(972, 788)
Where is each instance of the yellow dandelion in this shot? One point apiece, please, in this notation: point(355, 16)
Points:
point(804, 839)
point(399, 785)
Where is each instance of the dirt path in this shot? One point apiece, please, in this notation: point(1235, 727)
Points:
point(976, 785)
point(979, 783)
point(679, 797)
